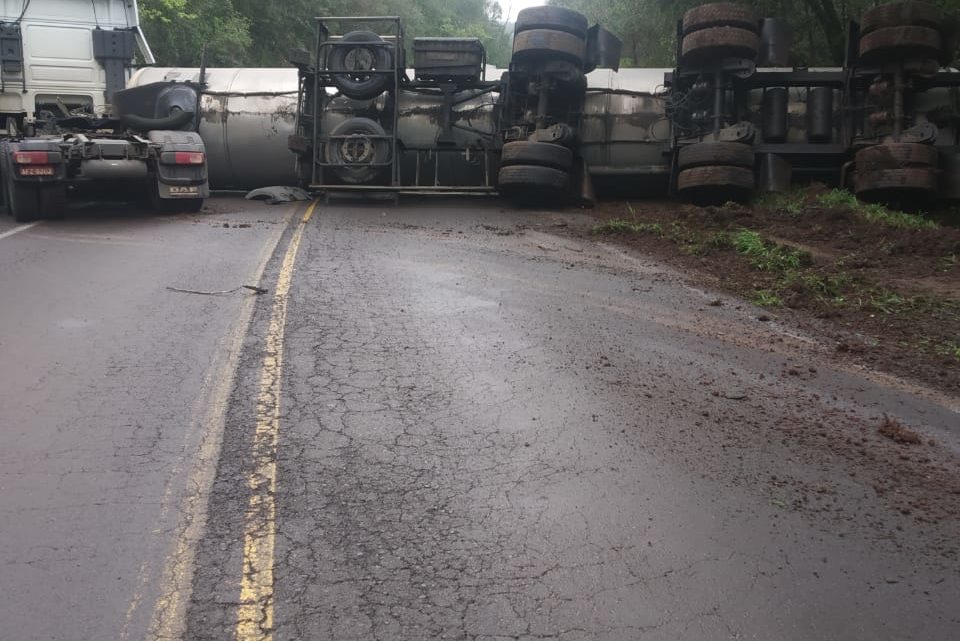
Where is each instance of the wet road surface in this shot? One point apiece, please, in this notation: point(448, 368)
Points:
point(451, 421)
point(108, 382)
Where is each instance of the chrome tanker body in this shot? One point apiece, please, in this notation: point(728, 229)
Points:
point(732, 118)
point(248, 114)
point(245, 118)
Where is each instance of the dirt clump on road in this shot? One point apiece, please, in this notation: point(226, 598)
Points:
point(885, 285)
point(895, 431)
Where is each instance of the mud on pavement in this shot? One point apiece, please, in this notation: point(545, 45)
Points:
point(885, 290)
point(491, 428)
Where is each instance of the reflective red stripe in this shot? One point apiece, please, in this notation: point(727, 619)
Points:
point(31, 157)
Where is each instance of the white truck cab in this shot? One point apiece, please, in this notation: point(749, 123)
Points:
point(69, 125)
point(72, 54)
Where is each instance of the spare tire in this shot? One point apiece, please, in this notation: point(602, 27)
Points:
point(355, 143)
point(900, 43)
point(543, 154)
point(554, 18)
point(546, 44)
point(732, 154)
point(901, 14)
point(720, 14)
point(351, 56)
point(719, 42)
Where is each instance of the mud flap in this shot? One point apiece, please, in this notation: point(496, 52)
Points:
point(603, 49)
point(180, 192)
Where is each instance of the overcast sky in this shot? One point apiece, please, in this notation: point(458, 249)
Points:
point(512, 7)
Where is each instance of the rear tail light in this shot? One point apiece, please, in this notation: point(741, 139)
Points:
point(183, 158)
point(31, 157)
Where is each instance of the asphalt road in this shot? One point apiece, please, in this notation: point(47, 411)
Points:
point(108, 387)
point(443, 421)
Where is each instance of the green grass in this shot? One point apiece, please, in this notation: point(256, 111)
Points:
point(873, 212)
point(952, 349)
point(790, 202)
point(767, 257)
point(829, 289)
point(621, 226)
point(766, 298)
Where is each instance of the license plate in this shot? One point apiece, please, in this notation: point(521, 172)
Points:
point(36, 171)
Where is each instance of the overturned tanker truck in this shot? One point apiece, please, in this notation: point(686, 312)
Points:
point(731, 119)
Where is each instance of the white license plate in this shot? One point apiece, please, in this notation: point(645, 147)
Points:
point(36, 171)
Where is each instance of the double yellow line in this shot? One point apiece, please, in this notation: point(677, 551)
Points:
point(255, 614)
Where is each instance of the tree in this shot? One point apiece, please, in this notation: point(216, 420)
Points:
point(180, 32)
point(257, 33)
point(647, 27)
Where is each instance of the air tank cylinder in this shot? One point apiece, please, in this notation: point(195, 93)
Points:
point(774, 122)
point(819, 114)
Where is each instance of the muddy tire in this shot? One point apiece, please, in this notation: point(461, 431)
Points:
point(900, 43)
point(720, 14)
point(352, 61)
point(525, 182)
point(362, 145)
point(704, 154)
point(719, 42)
point(895, 183)
point(901, 14)
point(540, 154)
point(715, 185)
point(23, 201)
point(553, 18)
point(537, 45)
point(897, 155)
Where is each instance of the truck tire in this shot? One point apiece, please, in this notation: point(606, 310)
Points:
point(362, 147)
point(895, 155)
point(733, 154)
point(715, 185)
point(720, 14)
point(719, 42)
point(530, 179)
point(348, 64)
point(894, 183)
point(901, 14)
point(541, 154)
point(23, 200)
point(900, 43)
point(555, 18)
point(538, 45)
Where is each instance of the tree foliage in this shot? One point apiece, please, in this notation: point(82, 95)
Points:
point(648, 27)
point(257, 33)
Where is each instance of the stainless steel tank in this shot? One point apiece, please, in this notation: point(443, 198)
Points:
point(246, 116)
point(248, 113)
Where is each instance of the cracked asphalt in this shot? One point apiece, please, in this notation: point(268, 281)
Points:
point(479, 426)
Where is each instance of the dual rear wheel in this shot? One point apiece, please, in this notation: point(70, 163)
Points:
point(715, 172)
point(532, 171)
